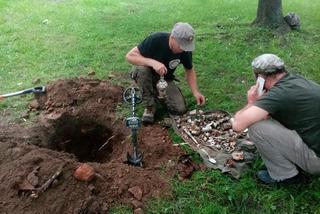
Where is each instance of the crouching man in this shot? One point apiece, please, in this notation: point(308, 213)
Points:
point(159, 55)
point(284, 122)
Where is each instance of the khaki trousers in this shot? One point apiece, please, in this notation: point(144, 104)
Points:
point(283, 150)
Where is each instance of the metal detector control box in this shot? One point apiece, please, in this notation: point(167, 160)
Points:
point(133, 123)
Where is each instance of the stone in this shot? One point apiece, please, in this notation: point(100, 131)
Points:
point(137, 204)
point(84, 172)
point(34, 105)
point(136, 192)
point(138, 211)
point(91, 73)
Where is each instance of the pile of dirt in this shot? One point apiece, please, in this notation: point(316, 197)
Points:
point(77, 124)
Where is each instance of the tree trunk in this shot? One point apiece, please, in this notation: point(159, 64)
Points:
point(269, 14)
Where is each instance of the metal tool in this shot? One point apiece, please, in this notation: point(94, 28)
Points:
point(210, 159)
point(36, 90)
point(132, 96)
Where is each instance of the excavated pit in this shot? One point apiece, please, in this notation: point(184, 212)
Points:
point(88, 140)
point(78, 117)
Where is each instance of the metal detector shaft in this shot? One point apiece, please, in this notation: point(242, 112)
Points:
point(134, 144)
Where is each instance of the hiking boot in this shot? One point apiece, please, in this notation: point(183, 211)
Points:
point(148, 114)
point(264, 176)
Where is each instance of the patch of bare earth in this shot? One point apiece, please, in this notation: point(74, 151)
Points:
point(77, 125)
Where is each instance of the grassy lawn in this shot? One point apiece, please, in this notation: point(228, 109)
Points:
point(55, 39)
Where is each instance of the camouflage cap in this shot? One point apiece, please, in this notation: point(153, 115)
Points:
point(267, 64)
point(184, 34)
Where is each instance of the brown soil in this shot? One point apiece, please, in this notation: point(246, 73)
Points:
point(75, 118)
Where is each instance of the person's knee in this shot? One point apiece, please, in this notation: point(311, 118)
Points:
point(177, 109)
point(175, 101)
point(144, 70)
point(141, 73)
point(181, 109)
point(257, 131)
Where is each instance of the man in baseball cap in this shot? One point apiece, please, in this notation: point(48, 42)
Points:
point(158, 55)
point(290, 141)
point(267, 64)
point(184, 34)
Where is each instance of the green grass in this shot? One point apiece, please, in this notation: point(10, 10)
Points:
point(54, 39)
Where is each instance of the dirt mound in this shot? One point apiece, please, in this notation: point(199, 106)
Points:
point(77, 124)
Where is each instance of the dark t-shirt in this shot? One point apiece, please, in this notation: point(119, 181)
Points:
point(156, 46)
point(295, 103)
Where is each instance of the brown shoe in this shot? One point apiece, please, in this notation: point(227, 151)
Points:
point(148, 114)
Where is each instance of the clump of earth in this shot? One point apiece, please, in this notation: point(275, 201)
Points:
point(76, 125)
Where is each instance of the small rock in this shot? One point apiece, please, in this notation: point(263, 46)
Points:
point(93, 189)
point(34, 105)
point(84, 172)
point(91, 73)
point(136, 192)
point(138, 211)
point(25, 115)
point(137, 204)
point(193, 112)
point(105, 207)
point(111, 76)
point(53, 116)
point(171, 163)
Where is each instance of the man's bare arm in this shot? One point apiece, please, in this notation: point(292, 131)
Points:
point(134, 57)
point(191, 78)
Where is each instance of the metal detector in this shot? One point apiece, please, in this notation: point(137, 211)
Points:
point(132, 96)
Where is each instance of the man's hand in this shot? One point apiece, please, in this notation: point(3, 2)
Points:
point(252, 94)
point(134, 57)
point(159, 67)
point(199, 98)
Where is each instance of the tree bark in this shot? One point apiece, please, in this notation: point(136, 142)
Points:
point(269, 14)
